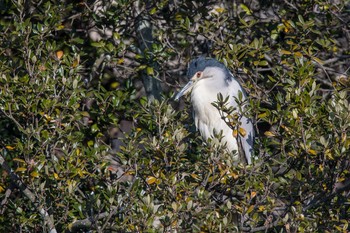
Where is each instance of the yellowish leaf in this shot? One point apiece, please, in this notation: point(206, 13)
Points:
point(245, 9)
point(234, 133)
point(34, 174)
point(285, 128)
point(60, 27)
point(263, 63)
point(114, 85)
point(250, 209)
point(269, 134)
point(220, 10)
point(21, 169)
point(252, 194)
point(174, 224)
point(262, 115)
point(237, 207)
point(149, 70)
point(1, 189)
point(261, 208)
point(151, 179)
point(59, 54)
point(47, 117)
point(178, 17)
point(298, 54)
point(285, 52)
point(242, 132)
point(234, 175)
point(311, 151)
point(328, 153)
point(343, 137)
point(340, 179)
point(55, 175)
point(324, 186)
point(287, 26)
point(319, 61)
point(19, 160)
point(194, 176)
point(320, 167)
point(10, 147)
point(75, 63)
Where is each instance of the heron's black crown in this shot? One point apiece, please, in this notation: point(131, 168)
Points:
point(200, 63)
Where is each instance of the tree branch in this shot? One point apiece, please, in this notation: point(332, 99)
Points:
point(29, 194)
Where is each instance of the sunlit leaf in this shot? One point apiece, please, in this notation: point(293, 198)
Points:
point(285, 52)
point(21, 169)
point(10, 147)
point(245, 9)
point(242, 132)
point(60, 27)
point(250, 209)
point(219, 10)
point(19, 160)
point(59, 54)
point(151, 179)
point(149, 70)
point(269, 134)
point(319, 61)
point(34, 174)
point(115, 85)
point(298, 54)
point(311, 151)
point(262, 115)
point(235, 133)
point(252, 194)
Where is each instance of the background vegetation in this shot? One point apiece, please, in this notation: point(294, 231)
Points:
point(91, 139)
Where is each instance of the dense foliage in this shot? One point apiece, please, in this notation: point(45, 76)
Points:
point(91, 139)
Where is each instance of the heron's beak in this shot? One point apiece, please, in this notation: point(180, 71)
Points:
point(184, 90)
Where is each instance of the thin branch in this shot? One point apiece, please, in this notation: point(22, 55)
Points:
point(29, 194)
point(4, 201)
point(87, 222)
point(338, 188)
point(13, 119)
point(261, 228)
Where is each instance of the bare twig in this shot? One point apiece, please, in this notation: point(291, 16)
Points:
point(87, 222)
point(29, 194)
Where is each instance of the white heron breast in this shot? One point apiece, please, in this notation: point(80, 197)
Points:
point(207, 118)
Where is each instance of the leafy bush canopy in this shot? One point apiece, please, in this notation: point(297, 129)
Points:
point(91, 139)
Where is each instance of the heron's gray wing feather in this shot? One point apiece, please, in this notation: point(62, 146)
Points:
point(246, 123)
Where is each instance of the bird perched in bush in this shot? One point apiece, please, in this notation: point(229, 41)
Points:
point(208, 79)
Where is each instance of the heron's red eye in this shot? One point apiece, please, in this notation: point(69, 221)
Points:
point(198, 75)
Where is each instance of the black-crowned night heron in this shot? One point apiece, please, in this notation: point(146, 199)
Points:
point(207, 78)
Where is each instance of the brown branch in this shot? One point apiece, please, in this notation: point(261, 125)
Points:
point(87, 222)
point(4, 201)
point(338, 188)
point(29, 194)
point(261, 228)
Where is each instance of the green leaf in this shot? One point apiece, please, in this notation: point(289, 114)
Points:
point(149, 70)
point(301, 19)
point(245, 9)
